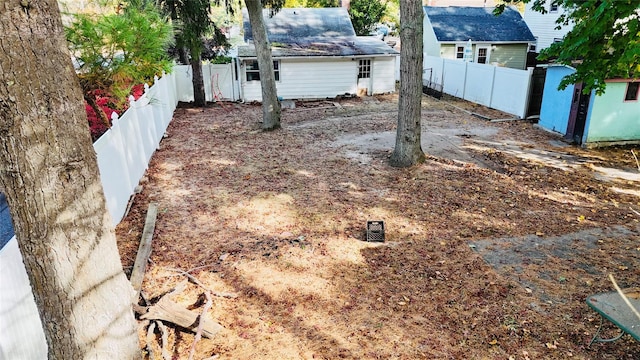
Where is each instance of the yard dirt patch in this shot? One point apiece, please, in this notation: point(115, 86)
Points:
point(492, 244)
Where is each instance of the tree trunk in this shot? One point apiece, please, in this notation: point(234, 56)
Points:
point(183, 55)
point(49, 172)
point(270, 104)
point(408, 150)
point(197, 80)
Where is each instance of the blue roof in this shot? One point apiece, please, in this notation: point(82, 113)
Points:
point(6, 226)
point(459, 24)
point(312, 32)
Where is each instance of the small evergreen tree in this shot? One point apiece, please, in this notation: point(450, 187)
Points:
point(117, 51)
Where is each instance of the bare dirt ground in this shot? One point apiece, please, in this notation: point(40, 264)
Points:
point(492, 244)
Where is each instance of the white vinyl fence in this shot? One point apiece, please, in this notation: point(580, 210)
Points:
point(220, 82)
point(501, 88)
point(124, 150)
point(123, 153)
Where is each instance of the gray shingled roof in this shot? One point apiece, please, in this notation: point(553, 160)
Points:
point(337, 46)
point(313, 32)
point(460, 24)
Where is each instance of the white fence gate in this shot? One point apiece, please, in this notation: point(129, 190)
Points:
point(220, 82)
point(501, 88)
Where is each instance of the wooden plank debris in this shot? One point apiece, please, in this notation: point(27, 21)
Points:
point(169, 311)
point(144, 250)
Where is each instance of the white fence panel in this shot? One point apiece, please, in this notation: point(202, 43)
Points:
point(117, 183)
point(219, 82)
point(454, 75)
point(478, 83)
point(122, 160)
point(132, 142)
point(219, 79)
point(124, 150)
point(21, 334)
point(158, 111)
point(146, 124)
point(501, 88)
point(184, 87)
point(511, 91)
point(433, 69)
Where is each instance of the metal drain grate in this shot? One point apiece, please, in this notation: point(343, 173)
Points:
point(375, 231)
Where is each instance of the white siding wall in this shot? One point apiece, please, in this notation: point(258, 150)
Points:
point(509, 55)
point(322, 78)
point(430, 42)
point(384, 79)
point(542, 25)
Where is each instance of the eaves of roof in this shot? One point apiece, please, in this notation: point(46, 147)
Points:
point(352, 46)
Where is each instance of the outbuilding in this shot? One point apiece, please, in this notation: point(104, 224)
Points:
point(316, 54)
point(589, 119)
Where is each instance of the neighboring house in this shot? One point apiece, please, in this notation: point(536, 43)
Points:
point(543, 26)
point(591, 120)
point(316, 54)
point(497, 40)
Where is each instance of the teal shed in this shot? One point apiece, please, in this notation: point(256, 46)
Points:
point(591, 120)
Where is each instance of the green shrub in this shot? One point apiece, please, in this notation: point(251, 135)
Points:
point(117, 51)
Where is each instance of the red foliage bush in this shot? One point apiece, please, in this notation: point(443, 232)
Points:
point(108, 105)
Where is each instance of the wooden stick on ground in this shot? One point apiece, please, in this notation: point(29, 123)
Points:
point(206, 308)
point(150, 339)
point(166, 355)
point(194, 280)
point(635, 157)
point(624, 297)
point(144, 250)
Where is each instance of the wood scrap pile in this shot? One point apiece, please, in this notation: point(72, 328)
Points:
point(163, 311)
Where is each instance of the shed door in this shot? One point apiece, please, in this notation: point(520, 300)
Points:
point(365, 70)
point(578, 114)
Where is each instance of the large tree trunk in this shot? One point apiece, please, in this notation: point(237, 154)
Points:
point(199, 98)
point(49, 172)
point(270, 104)
point(408, 150)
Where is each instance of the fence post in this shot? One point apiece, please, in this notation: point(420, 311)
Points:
point(464, 82)
point(492, 85)
point(172, 79)
point(527, 98)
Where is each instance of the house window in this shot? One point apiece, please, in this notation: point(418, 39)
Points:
point(482, 55)
point(459, 52)
point(253, 72)
point(364, 69)
point(533, 46)
point(632, 91)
